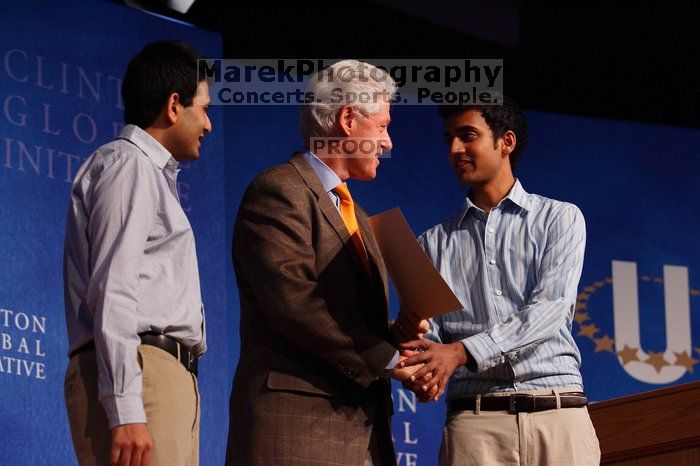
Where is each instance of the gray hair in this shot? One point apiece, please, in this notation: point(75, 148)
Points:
point(347, 82)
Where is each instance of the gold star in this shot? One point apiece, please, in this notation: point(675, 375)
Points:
point(609, 281)
point(604, 344)
point(590, 289)
point(583, 296)
point(628, 354)
point(581, 317)
point(599, 284)
point(684, 359)
point(646, 278)
point(657, 360)
point(695, 292)
point(581, 305)
point(588, 330)
point(658, 280)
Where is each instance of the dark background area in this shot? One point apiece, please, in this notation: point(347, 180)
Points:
point(630, 61)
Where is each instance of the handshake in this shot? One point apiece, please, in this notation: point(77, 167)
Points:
point(424, 366)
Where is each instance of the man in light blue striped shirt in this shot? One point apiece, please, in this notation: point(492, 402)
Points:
point(514, 260)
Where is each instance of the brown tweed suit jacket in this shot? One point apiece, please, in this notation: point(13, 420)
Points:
point(314, 337)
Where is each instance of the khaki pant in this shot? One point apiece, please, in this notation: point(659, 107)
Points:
point(170, 398)
point(557, 437)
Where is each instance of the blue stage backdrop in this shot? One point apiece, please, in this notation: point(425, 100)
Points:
point(636, 319)
point(62, 64)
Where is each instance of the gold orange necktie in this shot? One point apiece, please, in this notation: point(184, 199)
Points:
point(347, 211)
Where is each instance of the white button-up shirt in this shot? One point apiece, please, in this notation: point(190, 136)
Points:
point(130, 264)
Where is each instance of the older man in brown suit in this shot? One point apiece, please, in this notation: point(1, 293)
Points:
point(311, 386)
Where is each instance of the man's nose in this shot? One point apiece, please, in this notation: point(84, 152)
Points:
point(456, 146)
point(386, 142)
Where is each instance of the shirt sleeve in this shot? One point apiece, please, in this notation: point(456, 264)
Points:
point(393, 362)
point(122, 215)
point(551, 302)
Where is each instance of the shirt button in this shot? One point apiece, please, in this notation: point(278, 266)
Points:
point(491, 229)
point(499, 292)
point(492, 261)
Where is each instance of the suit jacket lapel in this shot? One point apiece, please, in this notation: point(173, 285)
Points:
point(375, 256)
point(328, 209)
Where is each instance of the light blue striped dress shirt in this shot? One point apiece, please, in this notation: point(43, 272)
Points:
point(516, 270)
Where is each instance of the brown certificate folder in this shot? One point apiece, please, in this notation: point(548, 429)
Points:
point(419, 285)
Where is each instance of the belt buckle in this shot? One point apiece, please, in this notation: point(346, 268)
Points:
point(518, 402)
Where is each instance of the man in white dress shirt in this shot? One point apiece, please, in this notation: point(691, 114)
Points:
point(133, 304)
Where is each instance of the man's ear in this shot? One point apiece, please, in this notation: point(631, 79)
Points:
point(172, 108)
point(346, 120)
point(509, 142)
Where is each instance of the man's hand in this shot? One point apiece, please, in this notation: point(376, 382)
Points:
point(408, 326)
point(131, 446)
point(403, 372)
point(403, 375)
point(438, 359)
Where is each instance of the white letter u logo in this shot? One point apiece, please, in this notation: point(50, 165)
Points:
point(626, 311)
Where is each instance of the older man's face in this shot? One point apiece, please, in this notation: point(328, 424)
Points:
point(371, 139)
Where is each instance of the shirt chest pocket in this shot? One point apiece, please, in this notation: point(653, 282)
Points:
point(170, 221)
point(520, 259)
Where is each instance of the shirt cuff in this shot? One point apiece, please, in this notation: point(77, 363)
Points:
point(124, 410)
point(483, 350)
point(393, 362)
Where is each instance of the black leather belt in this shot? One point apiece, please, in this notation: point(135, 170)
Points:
point(519, 402)
point(185, 355)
